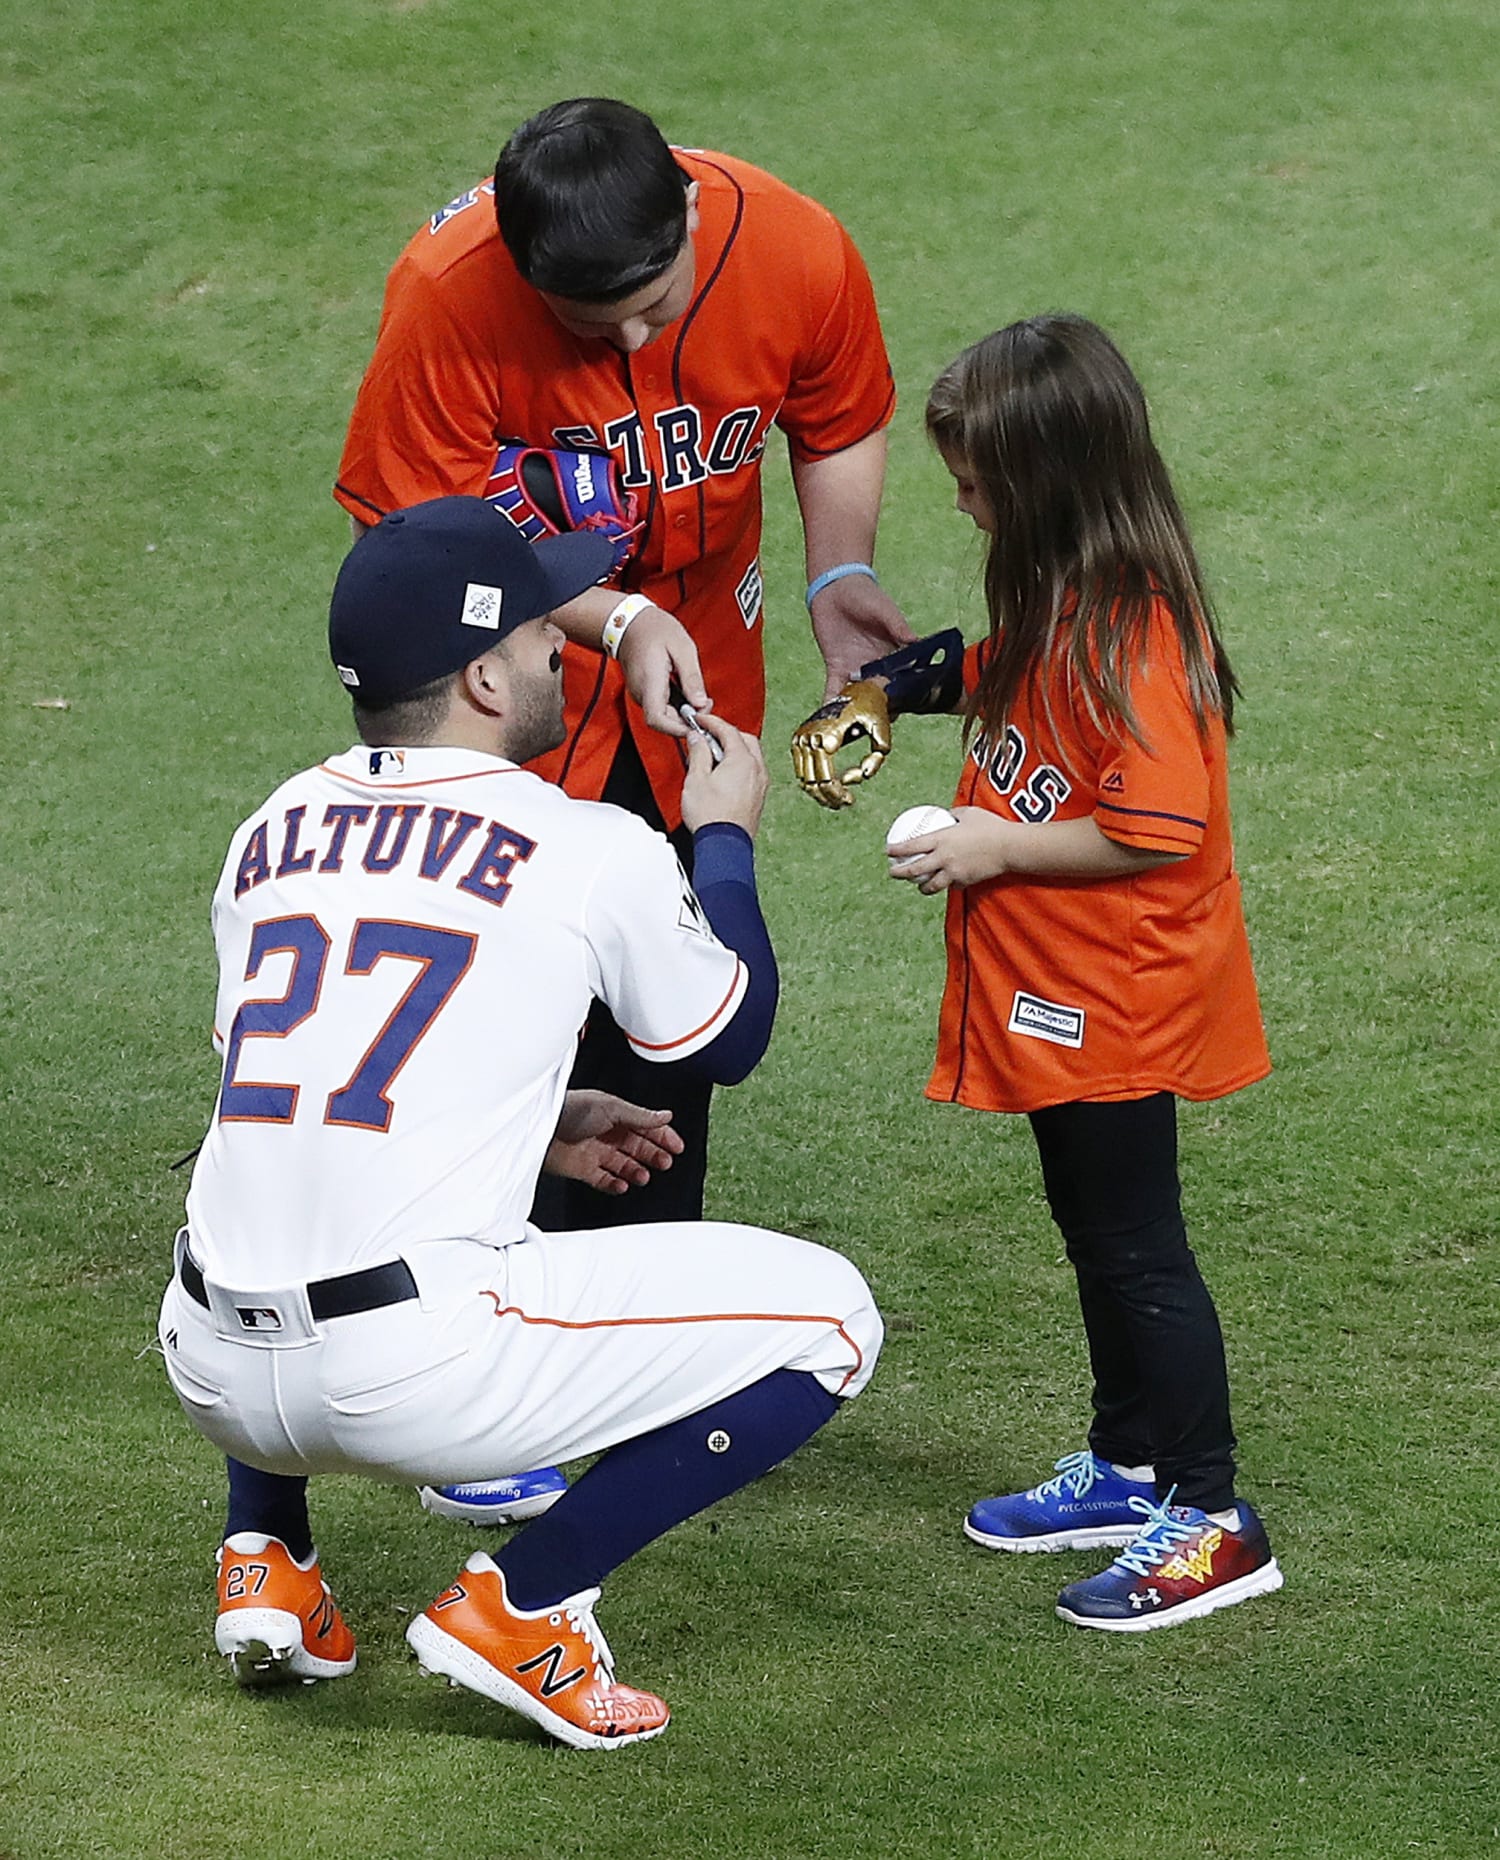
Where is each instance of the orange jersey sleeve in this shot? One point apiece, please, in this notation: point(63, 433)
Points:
point(1068, 989)
point(781, 331)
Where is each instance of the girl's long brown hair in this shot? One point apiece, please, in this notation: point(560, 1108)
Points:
point(1051, 425)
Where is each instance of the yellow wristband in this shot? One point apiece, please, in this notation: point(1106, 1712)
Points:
point(623, 613)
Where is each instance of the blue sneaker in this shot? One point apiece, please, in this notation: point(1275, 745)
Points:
point(1181, 1565)
point(1087, 1506)
point(496, 1501)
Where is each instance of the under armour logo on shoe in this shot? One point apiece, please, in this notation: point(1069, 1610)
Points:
point(1140, 1598)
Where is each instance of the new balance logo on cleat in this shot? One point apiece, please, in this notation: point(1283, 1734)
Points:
point(550, 1683)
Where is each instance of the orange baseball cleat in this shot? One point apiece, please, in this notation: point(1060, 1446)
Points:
point(553, 1666)
point(276, 1619)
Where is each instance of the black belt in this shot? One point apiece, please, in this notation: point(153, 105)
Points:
point(350, 1292)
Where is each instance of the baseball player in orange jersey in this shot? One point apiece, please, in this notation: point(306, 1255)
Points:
point(408, 937)
point(765, 317)
point(755, 311)
point(1098, 966)
point(669, 307)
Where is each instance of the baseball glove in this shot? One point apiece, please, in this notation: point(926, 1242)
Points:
point(547, 493)
point(858, 714)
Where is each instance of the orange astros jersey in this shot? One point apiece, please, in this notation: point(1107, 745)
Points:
point(1067, 989)
point(782, 330)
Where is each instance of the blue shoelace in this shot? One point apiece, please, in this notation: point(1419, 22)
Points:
point(1159, 1536)
point(1077, 1471)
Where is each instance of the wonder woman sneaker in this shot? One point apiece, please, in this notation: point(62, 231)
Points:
point(496, 1501)
point(552, 1666)
point(1087, 1506)
point(1182, 1565)
point(276, 1619)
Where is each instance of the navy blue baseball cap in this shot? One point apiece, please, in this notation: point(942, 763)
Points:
point(426, 590)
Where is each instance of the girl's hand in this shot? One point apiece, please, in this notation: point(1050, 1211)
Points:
point(983, 845)
point(961, 855)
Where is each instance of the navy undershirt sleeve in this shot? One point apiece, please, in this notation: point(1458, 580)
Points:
point(724, 879)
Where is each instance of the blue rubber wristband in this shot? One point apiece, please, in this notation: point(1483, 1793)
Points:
point(830, 575)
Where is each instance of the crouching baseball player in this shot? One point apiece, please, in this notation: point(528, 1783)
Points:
point(409, 939)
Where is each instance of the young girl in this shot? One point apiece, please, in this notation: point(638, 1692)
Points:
point(1098, 967)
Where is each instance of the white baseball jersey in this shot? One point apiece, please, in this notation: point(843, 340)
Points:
point(408, 943)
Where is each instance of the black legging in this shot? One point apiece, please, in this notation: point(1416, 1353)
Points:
point(1161, 1390)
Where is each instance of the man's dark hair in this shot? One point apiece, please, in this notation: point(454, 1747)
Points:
point(590, 202)
point(409, 720)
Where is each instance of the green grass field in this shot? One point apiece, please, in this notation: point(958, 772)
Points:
point(1287, 213)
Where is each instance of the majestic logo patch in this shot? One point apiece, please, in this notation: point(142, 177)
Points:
point(750, 593)
point(482, 606)
point(690, 913)
point(1114, 784)
point(1046, 1020)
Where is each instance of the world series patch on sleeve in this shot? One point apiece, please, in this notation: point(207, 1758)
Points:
point(547, 493)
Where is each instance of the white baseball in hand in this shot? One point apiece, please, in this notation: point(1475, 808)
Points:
point(915, 822)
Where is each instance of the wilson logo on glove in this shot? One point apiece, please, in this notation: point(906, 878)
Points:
point(547, 493)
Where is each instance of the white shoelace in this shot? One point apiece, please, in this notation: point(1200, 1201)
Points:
point(580, 1612)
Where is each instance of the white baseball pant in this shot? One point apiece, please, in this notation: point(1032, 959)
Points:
point(515, 1357)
